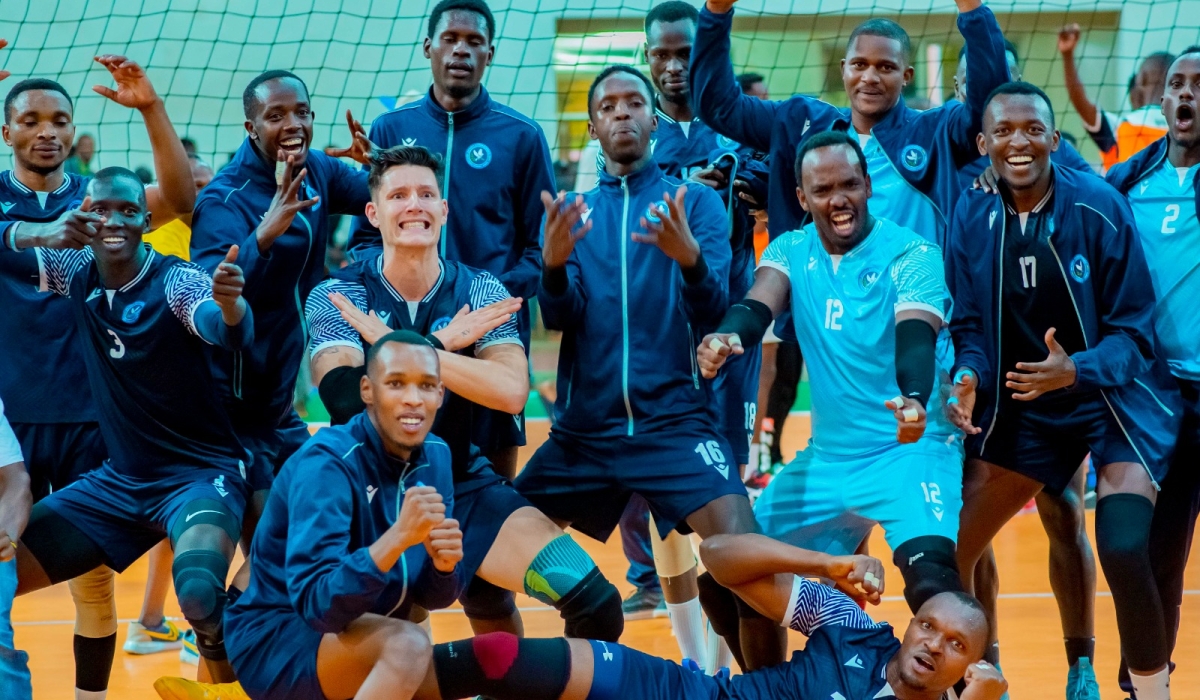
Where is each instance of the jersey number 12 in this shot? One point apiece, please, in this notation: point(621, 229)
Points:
point(833, 312)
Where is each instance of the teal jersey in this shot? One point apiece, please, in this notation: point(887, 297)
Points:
point(893, 198)
point(1164, 206)
point(845, 317)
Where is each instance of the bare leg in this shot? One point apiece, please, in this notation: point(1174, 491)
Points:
point(254, 511)
point(158, 584)
point(991, 496)
point(504, 462)
point(375, 658)
point(1072, 564)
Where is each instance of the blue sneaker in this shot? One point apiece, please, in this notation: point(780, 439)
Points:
point(1081, 681)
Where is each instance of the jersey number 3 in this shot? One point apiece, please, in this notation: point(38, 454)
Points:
point(119, 351)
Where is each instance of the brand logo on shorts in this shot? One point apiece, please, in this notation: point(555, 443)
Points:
point(854, 662)
point(867, 279)
point(1080, 269)
point(133, 311)
point(371, 491)
point(440, 324)
point(219, 484)
point(914, 157)
point(726, 142)
point(188, 519)
point(479, 156)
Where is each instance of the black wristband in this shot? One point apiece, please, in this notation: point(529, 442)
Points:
point(339, 392)
point(554, 280)
point(435, 341)
point(916, 343)
point(749, 318)
point(696, 273)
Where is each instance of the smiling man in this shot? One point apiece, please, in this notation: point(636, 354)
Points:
point(175, 468)
point(1057, 358)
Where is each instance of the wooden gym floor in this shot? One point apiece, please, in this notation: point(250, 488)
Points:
point(1032, 650)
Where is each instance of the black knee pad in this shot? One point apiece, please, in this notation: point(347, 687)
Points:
point(929, 567)
point(501, 666)
point(720, 605)
point(592, 609)
point(1123, 523)
point(199, 576)
point(487, 601)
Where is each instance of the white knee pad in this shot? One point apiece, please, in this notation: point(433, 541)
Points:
point(95, 604)
point(673, 556)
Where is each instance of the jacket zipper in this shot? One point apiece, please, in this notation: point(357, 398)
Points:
point(625, 303)
point(237, 375)
point(941, 216)
point(296, 295)
point(1083, 333)
point(999, 324)
point(449, 160)
point(403, 559)
point(692, 356)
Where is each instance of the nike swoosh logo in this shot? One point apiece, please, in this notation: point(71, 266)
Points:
point(188, 519)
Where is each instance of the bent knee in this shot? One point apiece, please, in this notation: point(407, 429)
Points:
point(406, 645)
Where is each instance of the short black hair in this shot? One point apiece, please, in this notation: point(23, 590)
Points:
point(404, 338)
point(383, 160)
point(826, 139)
point(189, 145)
point(887, 29)
point(671, 11)
point(116, 172)
point(749, 80)
point(1009, 47)
point(1193, 49)
point(250, 94)
point(33, 84)
point(612, 70)
point(1020, 87)
point(1162, 58)
point(479, 7)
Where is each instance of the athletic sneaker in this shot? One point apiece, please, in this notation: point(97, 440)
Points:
point(174, 688)
point(151, 640)
point(642, 604)
point(1081, 681)
point(188, 653)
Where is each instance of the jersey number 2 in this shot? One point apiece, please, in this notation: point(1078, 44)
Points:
point(1172, 215)
point(119, 351)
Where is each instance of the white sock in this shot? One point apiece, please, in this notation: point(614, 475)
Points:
point(687, 620)
point(719, 655)
point(1153, 687)
point(90, 694)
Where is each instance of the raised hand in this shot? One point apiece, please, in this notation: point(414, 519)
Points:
point(910, 418)
point(984, 682)
point(227, 285)
point(134, 89)
point(668, 229)
point(719, 7)
point(360, 146)
point(960, 407)
point(284, 205)
point(467, 327)
point(858, 576)
point(1068, 38)
point(1037, 378)
point(421, 512)
point(444, 545)
point(714, 350)
point(368, 325)
point(563, 228)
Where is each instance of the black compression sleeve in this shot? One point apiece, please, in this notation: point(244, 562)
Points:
point(696, 273)
point(916, 341)
point(749, 318)
point(339, 391)
point(555, 280)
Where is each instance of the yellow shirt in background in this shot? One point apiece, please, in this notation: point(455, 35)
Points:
point(173, 238)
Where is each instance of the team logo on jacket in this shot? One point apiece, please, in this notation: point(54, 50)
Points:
point(726, 142)
point(440, 324)
point(868, 278)
point(479, 156)
point(914, 157)
point(1080, 269)
point(133, 311)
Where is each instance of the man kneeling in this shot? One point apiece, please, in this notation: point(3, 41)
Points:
point(848, 655)
point(356, 531)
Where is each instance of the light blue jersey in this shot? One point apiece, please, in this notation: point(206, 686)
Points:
point(1164, 205)
point(845, 316)
point(893, 198)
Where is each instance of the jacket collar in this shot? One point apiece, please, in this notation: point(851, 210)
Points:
point(251, 164)
point(388, 465)
point(649, 173)
point(479, 106)
point(891, 122)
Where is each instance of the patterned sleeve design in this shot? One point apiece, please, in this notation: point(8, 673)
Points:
point(326, 327)
point(920, 278)
point(58, 267)
point(187, 287)
point(487, 289)
point(778, 253)
point(814, 605)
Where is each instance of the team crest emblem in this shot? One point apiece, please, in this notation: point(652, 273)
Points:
point(478, 156)
point(867, 279)
point(726, 142)
point(1080, 269)
point(133, 311)
point(440, 324)
point(914, 157)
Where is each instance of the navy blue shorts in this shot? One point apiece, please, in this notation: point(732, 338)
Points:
point(1048, 442)
point(270, 448)
point(125, 516)
point(57, 454)
point(483, 500)
point(588, 481)
point(736, 389)
point(274, 654)
point(493, 430)
point(621, 672)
